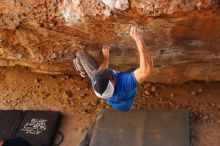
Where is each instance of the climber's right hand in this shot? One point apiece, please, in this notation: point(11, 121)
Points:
point(135, 33)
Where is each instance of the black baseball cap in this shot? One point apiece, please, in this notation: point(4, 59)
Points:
point(102, 84)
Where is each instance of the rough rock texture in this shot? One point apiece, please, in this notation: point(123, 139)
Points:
point(183, 36)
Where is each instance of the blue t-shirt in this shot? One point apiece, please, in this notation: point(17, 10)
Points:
point(125, 91)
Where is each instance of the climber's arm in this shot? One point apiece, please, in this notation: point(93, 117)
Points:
point(146, 62)
point(105, 63)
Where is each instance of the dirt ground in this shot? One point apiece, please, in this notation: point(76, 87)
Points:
point(73, 96)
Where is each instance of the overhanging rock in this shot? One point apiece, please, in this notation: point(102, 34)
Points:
point(183, 37)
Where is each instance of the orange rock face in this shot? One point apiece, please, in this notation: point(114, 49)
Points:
point(183, 37)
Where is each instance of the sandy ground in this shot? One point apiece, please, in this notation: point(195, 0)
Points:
point(73, 96)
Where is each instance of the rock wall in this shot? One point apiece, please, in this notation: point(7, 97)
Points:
point(183, 36)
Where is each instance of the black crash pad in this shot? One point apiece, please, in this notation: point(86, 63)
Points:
point(142, 128)
point(9, 120)
point(37, 127)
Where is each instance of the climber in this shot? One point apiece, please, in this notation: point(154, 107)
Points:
point(118, 88)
